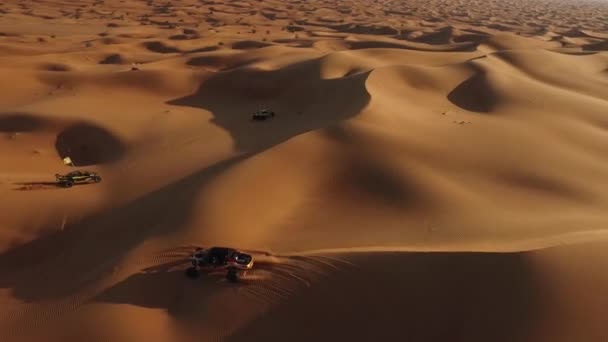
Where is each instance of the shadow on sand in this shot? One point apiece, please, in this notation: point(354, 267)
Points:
point(473, 297)
point(57, 256)
point(29, 186)
point(302, 99)
point(85, 251)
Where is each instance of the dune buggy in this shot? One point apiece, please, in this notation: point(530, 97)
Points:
point(77, 177)
point(236, 263)
point(262, 115)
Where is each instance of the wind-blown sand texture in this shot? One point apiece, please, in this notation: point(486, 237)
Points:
point(436, 171)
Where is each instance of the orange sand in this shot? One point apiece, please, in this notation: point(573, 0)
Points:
point(436, 170)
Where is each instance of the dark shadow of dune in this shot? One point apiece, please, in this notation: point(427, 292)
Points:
point(294, 28)
point(499, 27)
point(150, 289)
point(85, 251)
point(20, 122)
point(459, 47)
point(362, 176)
point(599, 46)
point(183, 37)
point(576, 33)
point(55, 67)
point(205, 49)
point(113, 59)
point(295, 42)
point(302, 100)
point(136, 35)
point(190, 31)
point(87, 144)
point(191, 300)
point(220, 62)
point(474, 94)
point(267, 15)
point(160, 47)
point(416, 297)
point(382, 30)
point(471, 37)
point(111, 41)
point(249, 44)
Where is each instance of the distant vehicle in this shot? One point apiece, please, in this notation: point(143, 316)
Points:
point(262, 115)
point(77, 177)
point(236, 263)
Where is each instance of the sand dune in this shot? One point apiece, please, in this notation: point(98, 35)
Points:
point(435, 170)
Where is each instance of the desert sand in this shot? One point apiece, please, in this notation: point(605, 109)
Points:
point(436, 170)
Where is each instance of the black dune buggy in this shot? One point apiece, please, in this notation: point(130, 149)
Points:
point(262, 115)
point(77, 177)
point(236, 263)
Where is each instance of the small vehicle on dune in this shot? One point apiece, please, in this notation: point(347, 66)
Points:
point(262, 115)
point(77, 177)
point(236, 263)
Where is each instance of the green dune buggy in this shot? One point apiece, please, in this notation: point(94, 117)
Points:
point(77, 177)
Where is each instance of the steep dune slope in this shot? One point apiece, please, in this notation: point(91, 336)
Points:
point(360, 296)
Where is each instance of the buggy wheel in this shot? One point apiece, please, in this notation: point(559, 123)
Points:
point(68, 184)
point(96, 179)
point(232, 275)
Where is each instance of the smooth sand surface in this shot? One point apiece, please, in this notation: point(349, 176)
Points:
point(436, 171)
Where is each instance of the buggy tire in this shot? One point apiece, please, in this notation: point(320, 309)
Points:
point(232, 275)
point(97, 179)
point(68, 184)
